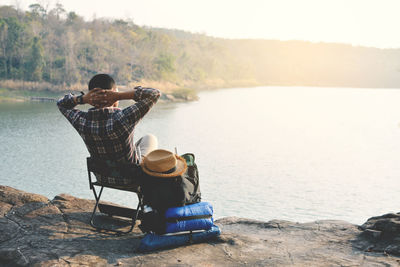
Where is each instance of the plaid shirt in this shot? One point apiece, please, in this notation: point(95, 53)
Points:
point(108, 132)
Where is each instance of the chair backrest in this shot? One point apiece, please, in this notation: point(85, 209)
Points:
point(114, 173)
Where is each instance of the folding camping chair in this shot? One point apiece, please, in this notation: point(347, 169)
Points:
point(119, 176)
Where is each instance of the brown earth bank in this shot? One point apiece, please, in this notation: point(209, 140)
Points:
point(36, 231)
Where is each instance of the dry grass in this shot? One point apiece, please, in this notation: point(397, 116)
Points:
point(40, 86)
point(165, 87)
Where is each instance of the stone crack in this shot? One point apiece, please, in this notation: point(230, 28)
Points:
point(289, 255)
point(20, 227)
point(64, 216)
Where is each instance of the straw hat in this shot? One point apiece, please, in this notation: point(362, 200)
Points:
point(163, 163)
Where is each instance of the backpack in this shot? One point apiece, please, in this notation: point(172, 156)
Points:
point(163, 193)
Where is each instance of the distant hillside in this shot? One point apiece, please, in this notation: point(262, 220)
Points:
point(60, 48)
point(318, 64)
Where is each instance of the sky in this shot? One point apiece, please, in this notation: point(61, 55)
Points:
point(372, 23)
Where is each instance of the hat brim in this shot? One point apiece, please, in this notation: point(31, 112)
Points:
point(180, 168)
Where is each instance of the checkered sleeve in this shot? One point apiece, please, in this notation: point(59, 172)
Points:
point(66, 105)
point(145, 98)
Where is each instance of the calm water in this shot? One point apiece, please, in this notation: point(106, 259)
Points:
point(265, 153)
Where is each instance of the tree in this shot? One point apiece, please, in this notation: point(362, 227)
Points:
point(165, 65)
point(36, 61)
point(12, 32)
point(3, 55)
point(58, 10)
point(38, 11)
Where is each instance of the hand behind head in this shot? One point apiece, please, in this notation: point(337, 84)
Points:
point(100, 98)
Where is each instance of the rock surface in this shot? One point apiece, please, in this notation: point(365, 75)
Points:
point(42, 232)
point(383, 233)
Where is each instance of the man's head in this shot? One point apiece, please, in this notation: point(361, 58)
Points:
point(105, 82)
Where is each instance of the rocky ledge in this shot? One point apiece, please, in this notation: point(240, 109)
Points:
point(37, 231)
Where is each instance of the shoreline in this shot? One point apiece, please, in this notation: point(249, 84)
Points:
point(20, 91)
point(171, 94)
point(165, 97)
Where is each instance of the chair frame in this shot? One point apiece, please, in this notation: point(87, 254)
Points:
point(114, 210)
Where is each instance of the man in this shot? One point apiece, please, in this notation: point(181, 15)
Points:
point(107, 130)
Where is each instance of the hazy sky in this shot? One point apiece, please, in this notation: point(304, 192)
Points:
point(358, 22)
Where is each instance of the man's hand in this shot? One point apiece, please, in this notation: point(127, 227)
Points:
point(90, 97)
point(100, 98)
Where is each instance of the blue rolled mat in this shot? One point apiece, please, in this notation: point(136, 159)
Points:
point(152, 241)
point(179, 214)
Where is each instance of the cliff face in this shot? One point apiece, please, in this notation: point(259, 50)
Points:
point(38, 231)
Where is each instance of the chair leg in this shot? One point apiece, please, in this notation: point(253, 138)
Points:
point(134, 217)
point(95, 206)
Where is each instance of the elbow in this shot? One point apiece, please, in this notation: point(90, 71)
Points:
point(59, 103)
point(158, 94)
point(66, 102)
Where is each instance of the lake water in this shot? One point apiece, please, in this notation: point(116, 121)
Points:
point(293, 153)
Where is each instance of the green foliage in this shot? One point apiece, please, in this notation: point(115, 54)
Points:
point(61, 48)
point(165, 65)
point(12, 48)
point(59, 63)
point(36, 61)
point(37, 10)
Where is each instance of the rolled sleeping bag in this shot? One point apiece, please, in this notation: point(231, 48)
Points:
point(151, 241)
point(192, 217)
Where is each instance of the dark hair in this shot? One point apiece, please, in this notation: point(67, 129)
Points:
point(103, 81)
